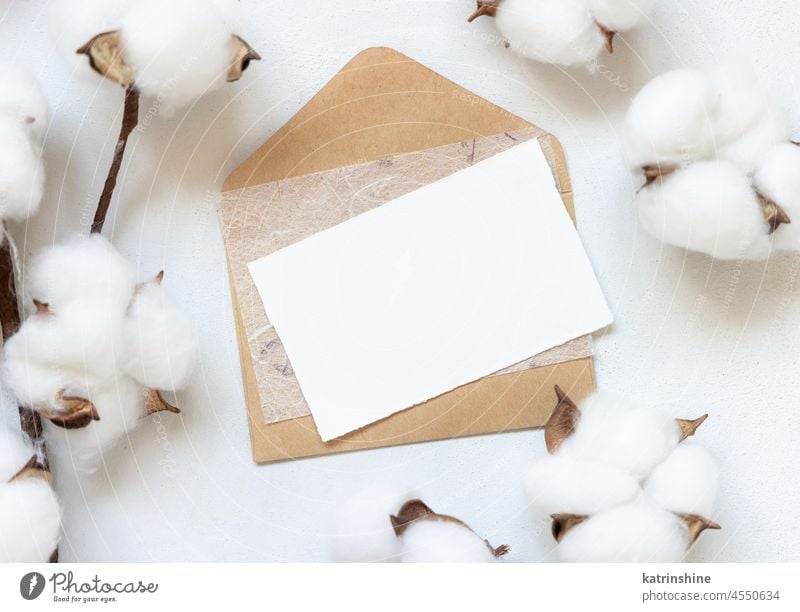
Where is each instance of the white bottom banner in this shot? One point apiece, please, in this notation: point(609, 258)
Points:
point(387, 588)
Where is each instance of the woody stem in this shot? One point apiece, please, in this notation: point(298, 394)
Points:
point(10, 321)
point(130, 119)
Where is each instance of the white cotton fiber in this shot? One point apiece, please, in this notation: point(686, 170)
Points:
point(778, 179)
point(438, 541)
point(778, 176)
point(82, 345)
point(29, 512)
point(88, 341)
point(749, 149)
point(620, 15)
point(161, 340)
point(73, 23)
point(615, 431)
point(121, 406)
point(36, 385)
point(231, 12)
point(362, 528)
point(708, 206)
point(30, 521)
point(179, 50)
point(559, 484)
point(23, 121)
point(686, 483)
point(742, 105)
point(85, 269)
point(671, 120)
point(21, 172)
point(32, 383)
point(22, 100)
point(560, 32)
point(14, 453)
point(638, 532)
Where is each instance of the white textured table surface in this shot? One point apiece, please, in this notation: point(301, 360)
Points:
point(696, 335)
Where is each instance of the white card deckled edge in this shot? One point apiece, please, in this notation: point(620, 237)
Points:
point(477, 271)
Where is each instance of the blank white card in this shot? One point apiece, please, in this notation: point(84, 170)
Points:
point(436, 289)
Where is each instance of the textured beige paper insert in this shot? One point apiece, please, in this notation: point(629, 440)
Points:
point(263, 219)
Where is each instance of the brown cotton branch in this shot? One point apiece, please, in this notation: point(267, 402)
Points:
point(104, 52)
point(9, 309)
point(10, 320)
point(130, 119)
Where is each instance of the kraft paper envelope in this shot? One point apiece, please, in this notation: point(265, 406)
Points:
point(383, 104)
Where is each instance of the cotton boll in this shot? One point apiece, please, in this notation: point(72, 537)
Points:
point(179, 50)
point(22, 100)
point(559, 32)
point(620, 15)
point(439, 541)
point(21, 172)
point(671, 120)
point(35, 385)
point(30, 521)
point(778, 179)
point(613, 430)
point(638, 532)
point(161, 338)
point(85, 269)
point(14, 453)
point(686, 483)
point(362, 528)
point(560, 484)
point(73, 23)
point(121, 406)
point(709, 207)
